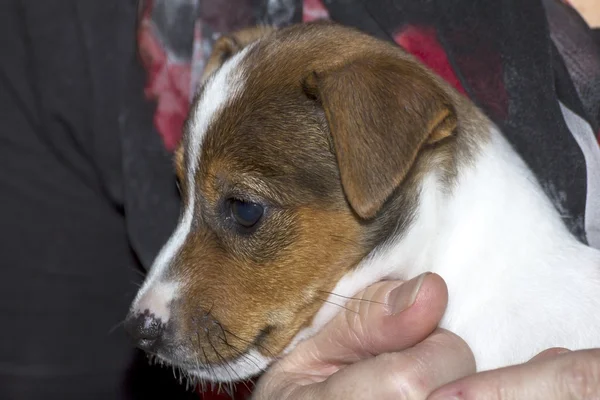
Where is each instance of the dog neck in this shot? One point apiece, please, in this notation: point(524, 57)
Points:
point(475, 231)
point(495, 207)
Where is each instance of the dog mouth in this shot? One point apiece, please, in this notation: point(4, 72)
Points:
point(192, 372)
point(205, 362)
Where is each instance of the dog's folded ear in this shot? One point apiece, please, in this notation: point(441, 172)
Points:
point(226, 46)
point(381, 111)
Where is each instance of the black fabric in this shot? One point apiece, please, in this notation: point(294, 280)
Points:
point(68, 272)
point(356, 13)
point(503, 45)
point(151, 199)
point(573, 38)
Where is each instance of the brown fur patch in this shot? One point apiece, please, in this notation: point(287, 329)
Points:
point(442, 126)
point(375, 104)
point(179, 163)
point(289, 286)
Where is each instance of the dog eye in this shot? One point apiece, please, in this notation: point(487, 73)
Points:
point(246, 213)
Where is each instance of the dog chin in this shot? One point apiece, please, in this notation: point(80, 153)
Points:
point(242, 368)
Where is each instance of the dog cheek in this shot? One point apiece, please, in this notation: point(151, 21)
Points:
point(266, 303)
point(329, 244)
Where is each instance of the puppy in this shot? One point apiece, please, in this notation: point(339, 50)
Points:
point(318, 160)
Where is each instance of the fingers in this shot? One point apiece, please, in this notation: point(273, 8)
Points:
point(549, 353)
point(412, 374)
point(389, 317)
point(571, 375)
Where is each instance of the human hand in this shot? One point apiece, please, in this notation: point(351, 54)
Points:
point(386, 345)
point(555, 374)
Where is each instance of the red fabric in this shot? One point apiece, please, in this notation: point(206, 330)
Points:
point(241, 393)
point(422, 43)
point(168, 83)
point(314, 10)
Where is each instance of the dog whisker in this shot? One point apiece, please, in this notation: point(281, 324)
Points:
point(196, 353)
point(225, 364)
point(223, 332)
point(220, 357)
point(275, 357)
point(137, 271)
point(251, 343)
point(245, 357)
point(190, 379)
point(210, 367)
point(353, 298)
point(336, 304)
point(115, 327)
point(210, 309)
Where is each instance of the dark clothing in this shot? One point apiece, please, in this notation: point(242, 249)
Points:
point(69, 85)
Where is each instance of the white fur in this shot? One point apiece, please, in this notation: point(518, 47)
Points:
point(243, 367)
point(222, 88)
point(518, 281)
point(157, 300)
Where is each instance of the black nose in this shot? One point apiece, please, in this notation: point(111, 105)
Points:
point(145, 329)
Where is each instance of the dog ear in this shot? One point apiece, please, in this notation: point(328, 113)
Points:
point(226, 46)
point(178, 161)
point(381, 111)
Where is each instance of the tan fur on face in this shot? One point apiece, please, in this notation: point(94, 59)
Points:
point(289, 288)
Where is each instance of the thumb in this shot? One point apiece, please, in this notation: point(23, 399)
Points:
point(386, 317)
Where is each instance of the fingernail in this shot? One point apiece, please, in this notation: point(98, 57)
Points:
point(405, 295)
point(549, 353)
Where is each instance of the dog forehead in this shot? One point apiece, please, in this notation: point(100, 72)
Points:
point(220, 89)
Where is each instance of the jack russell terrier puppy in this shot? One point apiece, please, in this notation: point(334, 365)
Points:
point(318, 160)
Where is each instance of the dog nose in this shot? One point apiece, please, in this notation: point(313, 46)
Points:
point(145, 329)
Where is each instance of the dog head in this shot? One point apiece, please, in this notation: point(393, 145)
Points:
point(303, 151)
